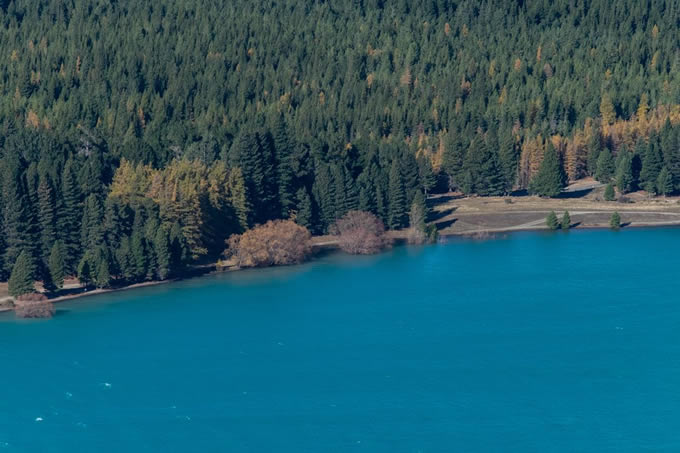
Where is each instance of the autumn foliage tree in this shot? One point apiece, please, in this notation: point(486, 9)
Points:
point(360, 233)
point(277, 242)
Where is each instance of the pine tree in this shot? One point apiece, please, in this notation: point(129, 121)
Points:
point(46, 202)
point(69, 217)
point(238, 197)
point(22, 278)
point(56, 265)
point(338, 176)
point(138, 251)
point(550, 178)
point(304, 209)
point(161, 246)
point(615, 221)
point(605, 166)
point(15, 207)
point(609, 193)
point(508, 160)
point(551, 221)
point(652, 163)
point(397, 198)
point(594, 149)
point(624, 173)
point(284, 153)
point(418, 213)
point(85, 271)
point(566, 221)
point(102, 276)
point(664, 182)
point(92, 232)
point(607, 109)
point(324, 195)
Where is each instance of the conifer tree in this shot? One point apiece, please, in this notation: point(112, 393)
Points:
point(69, 217)
point(102, 277)
point(615, 221)
point(85, 271)
point(605, 166)
point(56, 265)
point(508, 160)
point(161, 245)
point(551, 221)
point(46, 202)
point(418, 212)
point(565, 224)
point(92, 232)
point(550, 178)
point(14, 212)
point(594, 149)
point(664, 183)
point(652, 163)
point(238, 197)
point(284, 153)
point(397, 198)
point(22, 278)
point(609, 193)
point(624, 174)
point(304, 209)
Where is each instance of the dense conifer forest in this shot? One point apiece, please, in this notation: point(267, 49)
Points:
point(136, 137)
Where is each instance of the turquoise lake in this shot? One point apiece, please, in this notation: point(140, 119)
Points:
point(532, 342)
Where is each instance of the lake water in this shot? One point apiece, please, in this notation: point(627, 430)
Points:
point(530, 343)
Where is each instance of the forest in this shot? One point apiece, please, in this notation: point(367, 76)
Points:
point(137, 137)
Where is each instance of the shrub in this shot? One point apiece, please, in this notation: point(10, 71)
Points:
point(277, 242)
point(360, 233)
point(34, 305)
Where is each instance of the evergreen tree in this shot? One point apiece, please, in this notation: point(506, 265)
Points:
point(624, 174)
point(85, 272)
point(284, 153)
point(22, 278)
point(57, 264)
point(615, 221)
point(139, 256)
point(238, 197)
point(397, 198)
point(161, 245)
point(609, 193)
point(594, 149)
point(566, 221)
point(508, 160)
point(418, 213)
point(14, 212)
point(605, 166)
point(102, 276)
point(69, 217)
point(550, 178)
point(664, 182)
point(46, 202)
point(551, 221)
point(92, 232)
point(304, 206)
point(652, 163)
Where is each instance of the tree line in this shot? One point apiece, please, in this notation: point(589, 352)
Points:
point(137, 137)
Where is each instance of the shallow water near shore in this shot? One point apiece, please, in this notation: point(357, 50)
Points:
point(531, 342)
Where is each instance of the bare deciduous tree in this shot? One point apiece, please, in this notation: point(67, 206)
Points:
point(277, 242)
point(360, 232)
point(34, 305)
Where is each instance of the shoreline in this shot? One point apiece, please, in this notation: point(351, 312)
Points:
point(328, 244)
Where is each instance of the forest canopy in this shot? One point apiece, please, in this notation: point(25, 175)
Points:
point(137, 136)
